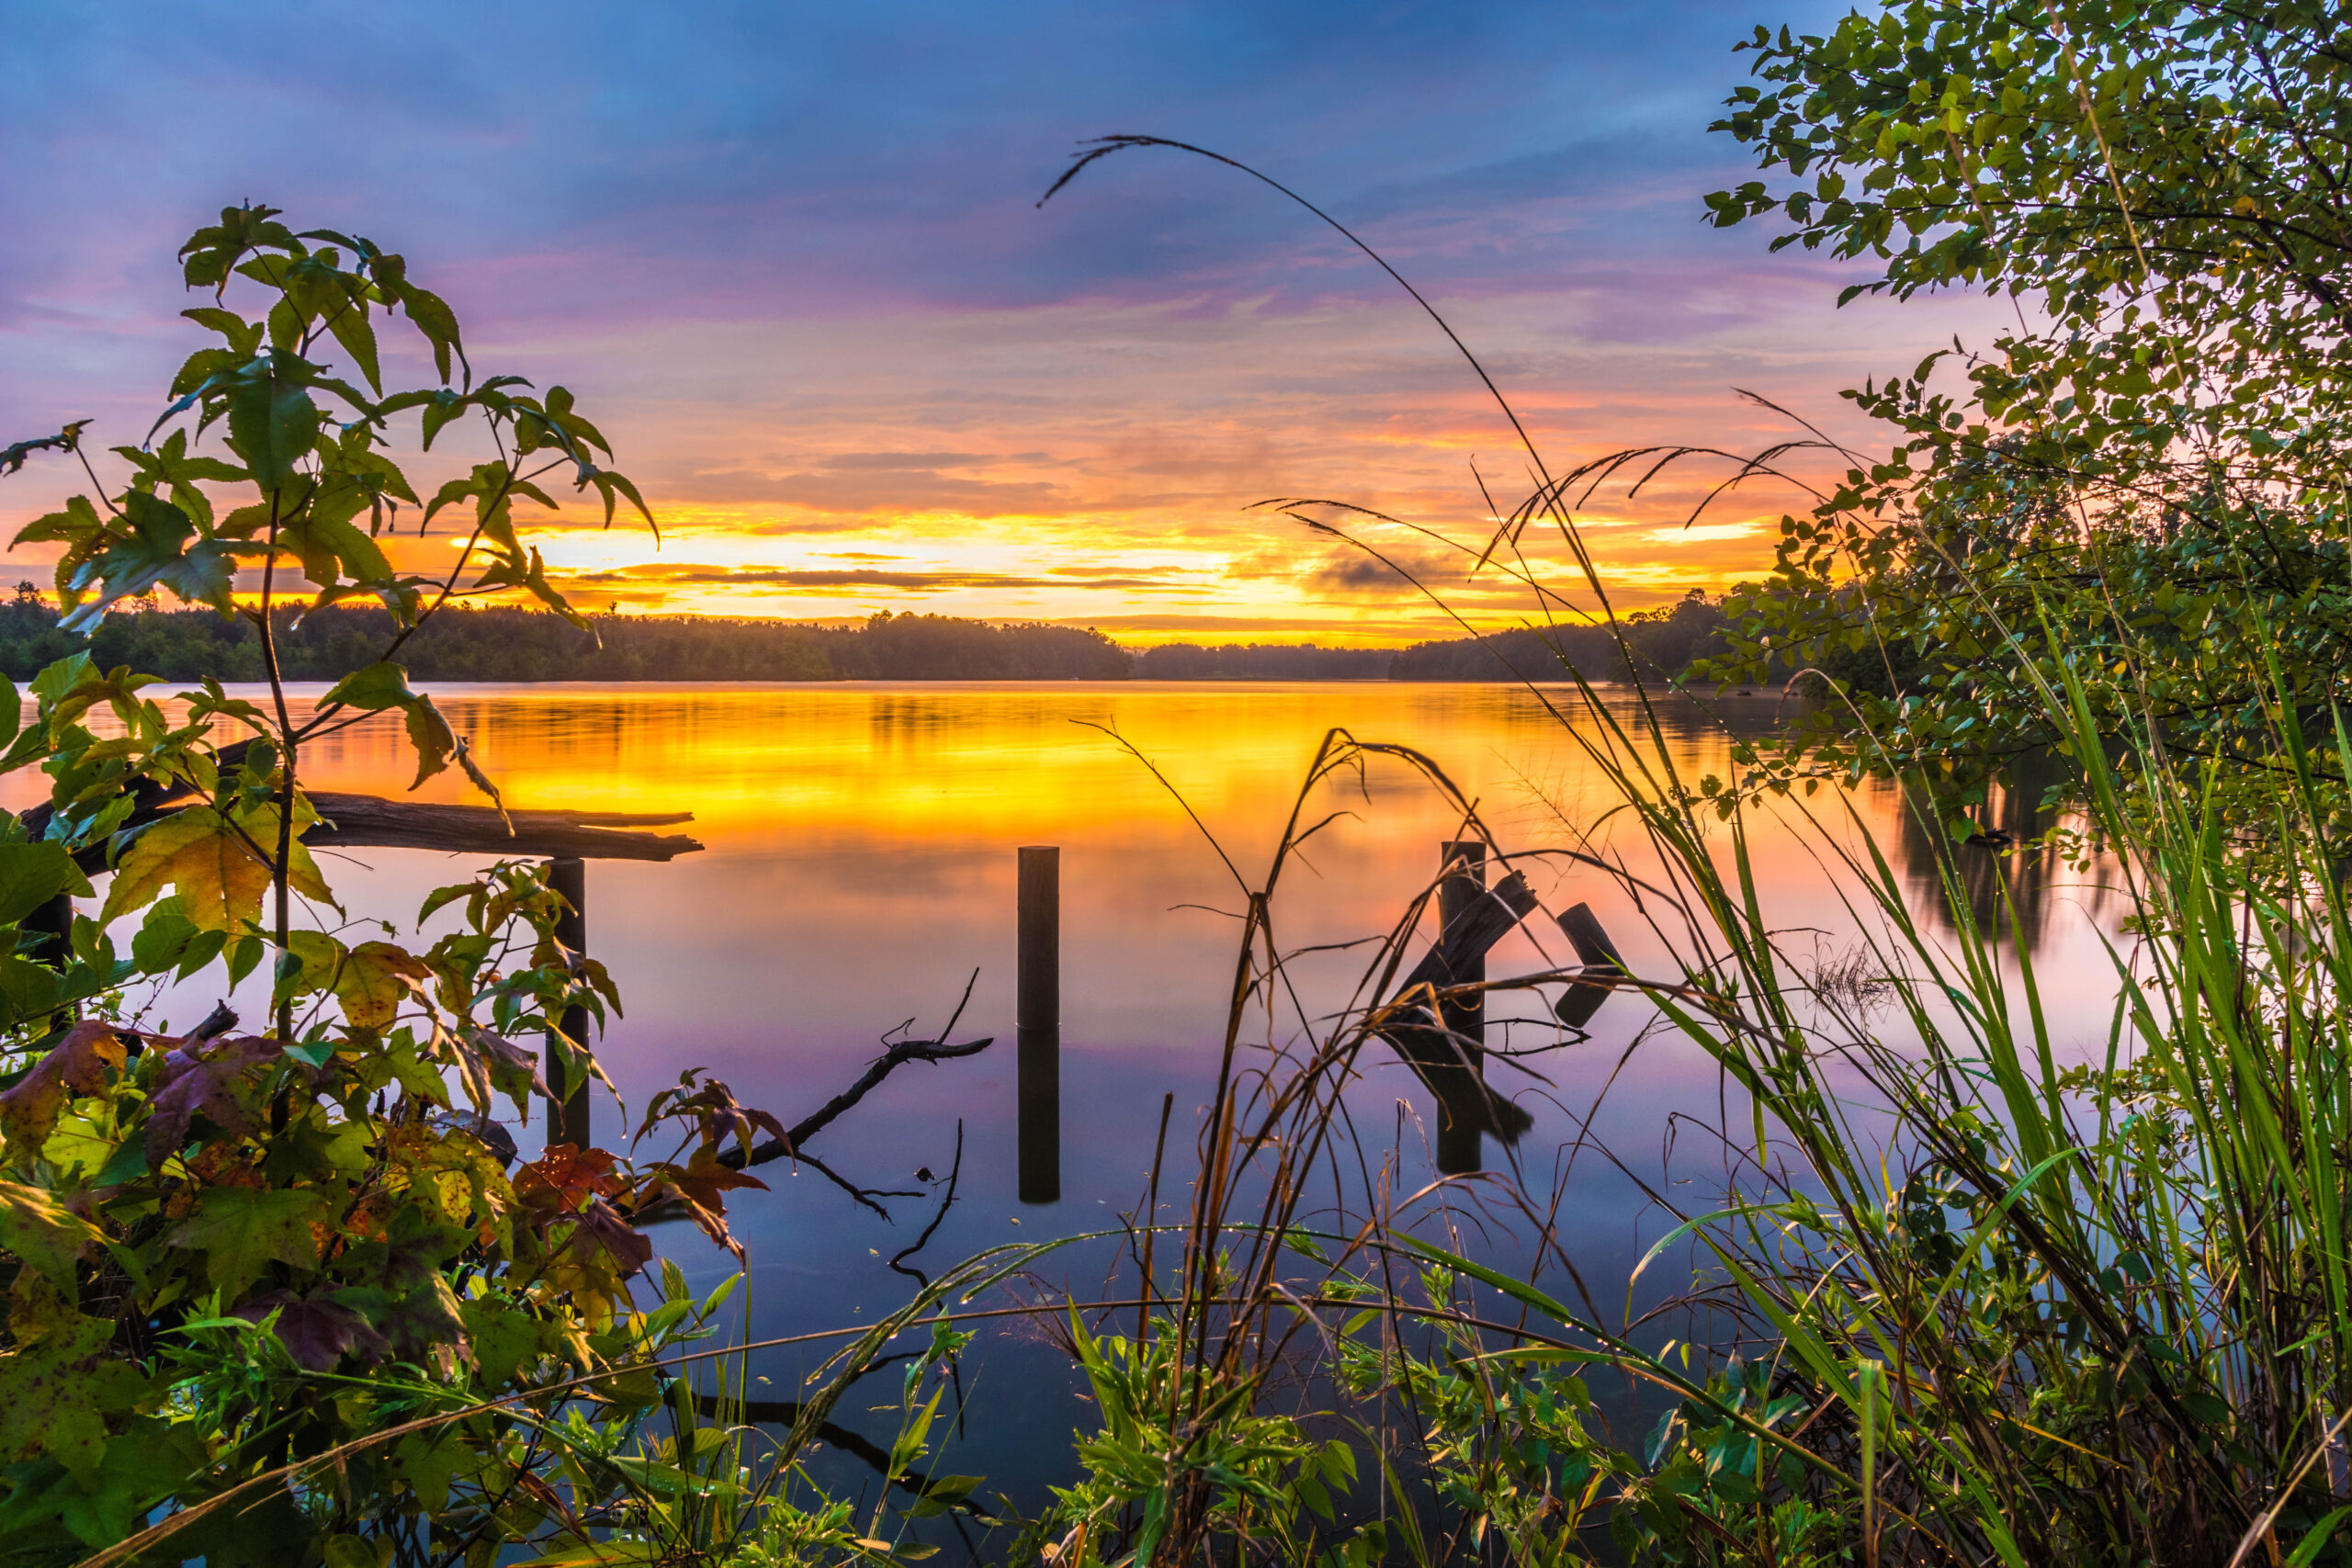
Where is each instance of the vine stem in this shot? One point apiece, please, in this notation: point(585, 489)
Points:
point(281, 867)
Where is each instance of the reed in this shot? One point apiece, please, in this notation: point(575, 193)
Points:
point(1969, 1297)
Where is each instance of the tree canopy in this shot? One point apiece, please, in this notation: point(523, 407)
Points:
point(2145, 481)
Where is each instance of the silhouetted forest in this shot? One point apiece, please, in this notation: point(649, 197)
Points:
point(508, 644)
point(1262, 661)
point(1664, 642)
point(504, 644)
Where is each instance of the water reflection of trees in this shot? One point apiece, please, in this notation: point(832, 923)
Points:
point(2006, 870)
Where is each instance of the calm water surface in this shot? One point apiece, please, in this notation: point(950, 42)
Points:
point(860, 866)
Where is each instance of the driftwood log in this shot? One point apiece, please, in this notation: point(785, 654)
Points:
point(371, 822)
point(368, 821)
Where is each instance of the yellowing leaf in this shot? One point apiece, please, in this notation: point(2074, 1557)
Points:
point(197, 853)
point(75, 1064)
point(217, 865)
point(374, 981)
point(320, 956)
point(41, 1231)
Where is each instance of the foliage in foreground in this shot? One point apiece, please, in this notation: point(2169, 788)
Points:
point(227, 1253)
point(1971, 1297)
point(2147, 475)
point(1971, 1294)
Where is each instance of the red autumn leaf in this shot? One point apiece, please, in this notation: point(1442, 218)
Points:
point(602, 1226)
point(557, 1182)
point(711, 1108)
point(75, 1064)
point(208, 1078)
point(317, 1332)
point(701, 1185)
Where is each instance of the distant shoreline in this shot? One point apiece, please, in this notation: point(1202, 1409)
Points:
point(508, 646)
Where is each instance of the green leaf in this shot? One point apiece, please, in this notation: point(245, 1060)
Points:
point(211, 251)
point(273, 423)
point(608, 484)
point(156, 545)
point(32, 874)
point(331, 549)
point(353, 330)
point(244, 337)
point(2315, 1540)
point(241, 1231)
point(27, 990)
point(38, 1229)
point(371, 689)
point(377, 687)
point(433, 318)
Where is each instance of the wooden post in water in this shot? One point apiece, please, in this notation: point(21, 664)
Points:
point(1038, 1017)
point(1458, 1151)
point(54, 920)
point(567, 1120)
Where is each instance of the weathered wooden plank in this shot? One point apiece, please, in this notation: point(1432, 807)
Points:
point(1461, 891)
point(367, 821)
point(1599, 955)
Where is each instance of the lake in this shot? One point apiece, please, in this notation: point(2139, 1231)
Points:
point(859, 868)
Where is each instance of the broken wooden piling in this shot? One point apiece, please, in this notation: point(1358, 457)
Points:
point(1462, 864)
point(1448, 1062)
point(1599, 955)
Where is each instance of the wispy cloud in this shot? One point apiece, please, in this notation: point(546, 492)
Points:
point(861, 579)
point(790, 259)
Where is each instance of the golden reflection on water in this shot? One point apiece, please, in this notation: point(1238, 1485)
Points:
point(763, 765)
point(861, 865)
point(860, 859)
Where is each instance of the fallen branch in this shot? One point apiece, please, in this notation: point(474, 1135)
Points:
point(882, 1066)
point(898, 1264)
point(863, 1195)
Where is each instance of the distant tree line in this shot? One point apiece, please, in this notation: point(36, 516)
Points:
point(1262, 661)
point(512, 644)
point(1664, 642)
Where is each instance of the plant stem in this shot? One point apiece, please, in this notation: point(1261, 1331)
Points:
point(281, 866)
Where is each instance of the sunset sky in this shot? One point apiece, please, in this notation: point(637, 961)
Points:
point(789, 258)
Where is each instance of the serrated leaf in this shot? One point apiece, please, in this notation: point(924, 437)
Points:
point(357, 333)
point(38, 1229)
point(433, 318)
point(77, 1065)
point(212, 862)
point(241, 1231)
point(272, 420)
point(375, 978)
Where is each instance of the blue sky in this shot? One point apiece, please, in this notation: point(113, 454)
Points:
point(790, 257)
